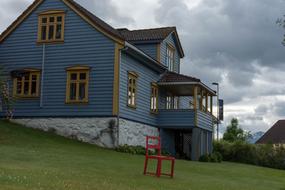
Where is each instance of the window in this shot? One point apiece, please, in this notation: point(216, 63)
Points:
point(175, 102)
point(77, 85)
point(51, 26)
point(27, 83)
point(168, 102)
point(132, 89)
point(154, 98)
point(170, 57)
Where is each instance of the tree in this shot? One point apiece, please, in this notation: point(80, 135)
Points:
point(281, 23)
point(5, 97)
point(235, 133)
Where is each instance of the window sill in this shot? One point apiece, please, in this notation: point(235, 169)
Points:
point(132, 106)
point(154, 112)
point(77, 102)
point(26, 97)
point(50, 42)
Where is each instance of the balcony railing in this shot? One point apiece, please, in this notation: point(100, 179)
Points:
point(184, 119)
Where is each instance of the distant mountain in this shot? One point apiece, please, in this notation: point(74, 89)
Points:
point(255, 137)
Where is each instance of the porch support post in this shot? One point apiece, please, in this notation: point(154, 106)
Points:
point(201, 99)
point(195, 103)
point(195, 97)
point(207, 103)
point(211, 105)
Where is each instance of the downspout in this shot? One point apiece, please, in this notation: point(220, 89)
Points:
point(118, 115)
point(42, 74)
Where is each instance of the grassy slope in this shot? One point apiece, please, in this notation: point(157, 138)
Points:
point(34, 160)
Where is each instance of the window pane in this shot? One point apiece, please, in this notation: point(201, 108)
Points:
point(44, 32)
point(34, 88)
point(19, 85)
point(82, 76)
point(26, 88)
point(50, 34)
point(73, 76)
point(27, 77)
point(58, 31)
point(82, 91)
point(44, 20)
point(72, 91)
point(59, 19)
point(34, 77)
point(51, 19)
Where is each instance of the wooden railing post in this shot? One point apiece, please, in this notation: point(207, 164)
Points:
point(207, 96)
point(195, 103)
point(211, 105)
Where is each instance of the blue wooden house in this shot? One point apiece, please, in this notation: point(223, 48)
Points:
point(70, 72)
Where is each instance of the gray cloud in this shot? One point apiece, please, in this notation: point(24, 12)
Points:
point(107, 11)
point(228, 38)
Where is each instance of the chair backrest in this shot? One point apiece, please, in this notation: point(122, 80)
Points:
point(153, 143)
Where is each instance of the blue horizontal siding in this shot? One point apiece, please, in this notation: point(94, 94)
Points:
point(176, 118)
point(83, 45)
point(204, 120)
point(150, 49)
point(163, 51)
point(145, 77)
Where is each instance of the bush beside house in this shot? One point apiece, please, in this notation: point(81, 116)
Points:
point(243, 152)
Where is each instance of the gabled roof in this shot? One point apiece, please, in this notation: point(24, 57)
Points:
point(120, 35)
point(175, 77)
point(84, 13)
point(275, 135)
point(152, 34)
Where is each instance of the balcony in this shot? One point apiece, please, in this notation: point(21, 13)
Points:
point(187, 101)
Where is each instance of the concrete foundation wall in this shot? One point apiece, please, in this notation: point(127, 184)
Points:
point(99, 131)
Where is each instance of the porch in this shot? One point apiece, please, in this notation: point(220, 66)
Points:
point(185, 115)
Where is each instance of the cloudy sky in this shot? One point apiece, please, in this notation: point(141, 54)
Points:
point(234, 42)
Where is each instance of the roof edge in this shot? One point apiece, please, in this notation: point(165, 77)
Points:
point(72, 5)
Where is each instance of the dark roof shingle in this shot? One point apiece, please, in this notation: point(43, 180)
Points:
point(175, 77)
point(275, 135)
point(146, 34)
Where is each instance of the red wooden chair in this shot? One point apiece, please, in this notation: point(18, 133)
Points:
point(154, 143)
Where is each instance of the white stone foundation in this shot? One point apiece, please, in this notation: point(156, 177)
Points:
point(99, 131)
point(133, 133)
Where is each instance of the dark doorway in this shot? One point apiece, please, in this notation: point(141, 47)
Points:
point(183, 141)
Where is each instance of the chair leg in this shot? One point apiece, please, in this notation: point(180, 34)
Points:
point(172, 168)
point(145, 165)
point(158, 168)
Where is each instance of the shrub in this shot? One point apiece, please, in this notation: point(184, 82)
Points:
point(140, 150)
point(204, 158)
point(242, 152)
point(215, 157)
point(131, 149)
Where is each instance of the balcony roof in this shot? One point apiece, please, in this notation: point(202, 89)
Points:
point(182, 85)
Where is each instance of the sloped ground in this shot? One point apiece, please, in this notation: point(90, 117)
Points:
point(34, 160)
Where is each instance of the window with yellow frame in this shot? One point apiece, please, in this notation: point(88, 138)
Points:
point(51, 26)
point(27, 84)
point(154, 98)
point(132, 89)
point(77, 84)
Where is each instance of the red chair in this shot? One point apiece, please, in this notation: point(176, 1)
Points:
point(154, 143)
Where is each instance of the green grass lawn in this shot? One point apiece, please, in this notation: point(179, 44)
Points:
point(34, 160)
